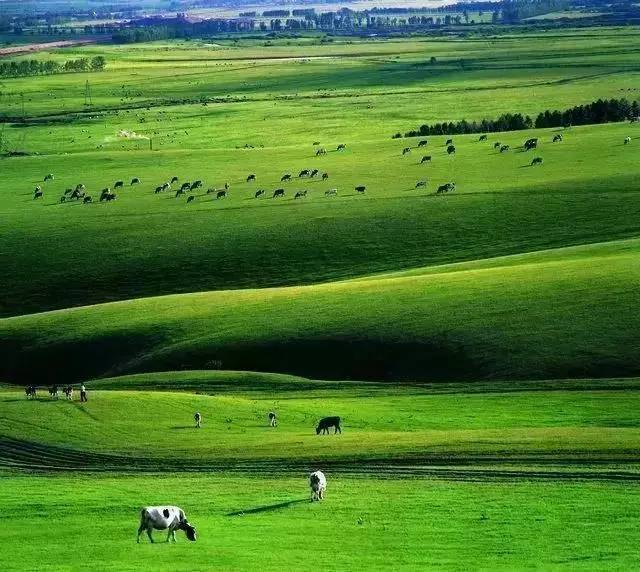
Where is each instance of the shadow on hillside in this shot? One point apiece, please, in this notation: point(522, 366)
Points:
point(267, 508)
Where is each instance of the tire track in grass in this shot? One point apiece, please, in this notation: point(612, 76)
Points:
point(39, 457)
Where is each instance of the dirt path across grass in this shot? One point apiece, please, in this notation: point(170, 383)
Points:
point(31, 48)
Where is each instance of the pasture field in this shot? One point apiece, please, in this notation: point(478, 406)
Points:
point(266, 523)
point(443, 477)
point(574, 423)
point(280, 100)
point(481, 345)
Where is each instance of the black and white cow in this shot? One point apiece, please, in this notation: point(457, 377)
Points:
point(318, 484)
point(169, 518)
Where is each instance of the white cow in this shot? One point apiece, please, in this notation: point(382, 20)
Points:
point(318, 484)
point(169, 518)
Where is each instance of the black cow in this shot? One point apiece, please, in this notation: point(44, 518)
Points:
point(87, 200)
point(341, 147)
point(191, 198)
point(497, 145)
point(482, 138)
point(300, 194)
point(313, 173)
point(135, 181)
point(278, 193)
point(286, 177)
point(325, 424)
point(504, 148)
point(557, 138)
point(251, 178)
point(259, 193)
point(118, 184)
point(421, 184)
point(449, 142)
point(530, 143)
point(221, 195)
point(537, 161)
point(361, 189)
point(63, 199)
point(425, 159)
point(179, 192)
point(446, 188)
point(195, 185)
point(451, 150)
point(48, 177)
point(303, 173)
point(406, 150)
point(325, 176)
point(185, 186)
point(423, 143)
point(38, 195)
point(174, 180)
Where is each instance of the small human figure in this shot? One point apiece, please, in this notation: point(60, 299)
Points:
point(83, 393)
point(198, 419)
point(273, 421)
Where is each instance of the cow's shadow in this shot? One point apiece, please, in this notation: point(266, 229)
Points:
point(267, 508)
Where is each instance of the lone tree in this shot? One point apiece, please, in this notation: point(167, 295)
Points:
point(98, 63)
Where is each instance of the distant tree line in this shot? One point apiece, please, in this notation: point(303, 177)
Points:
point(26, 68)
point(343, 20)
point(506, 122)
point(514, 11)
point(600, 111)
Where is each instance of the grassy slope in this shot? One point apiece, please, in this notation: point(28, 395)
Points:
point(148, 245)
point(565, 423)
point(558, 315)
point(430, 525)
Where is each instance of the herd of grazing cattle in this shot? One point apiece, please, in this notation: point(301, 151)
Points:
point(79, 193)
point(106, 195)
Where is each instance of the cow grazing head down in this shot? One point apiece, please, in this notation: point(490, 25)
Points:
point(190, 531)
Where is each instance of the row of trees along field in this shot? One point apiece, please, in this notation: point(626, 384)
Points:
point(25, 68)
point(600, 111)
point(149, 29)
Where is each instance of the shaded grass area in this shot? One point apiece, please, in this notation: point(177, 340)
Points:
point(565, 317)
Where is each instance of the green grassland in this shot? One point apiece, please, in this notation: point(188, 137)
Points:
point(574, 425)
point(481, 346)
point(230, 254)
point(266, 523)
point(440, 477)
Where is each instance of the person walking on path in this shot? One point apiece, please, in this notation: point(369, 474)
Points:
point(198, 419)
point(83, 393)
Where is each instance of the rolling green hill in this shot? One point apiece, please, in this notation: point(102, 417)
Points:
point(551, 315)
point(402, 427)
